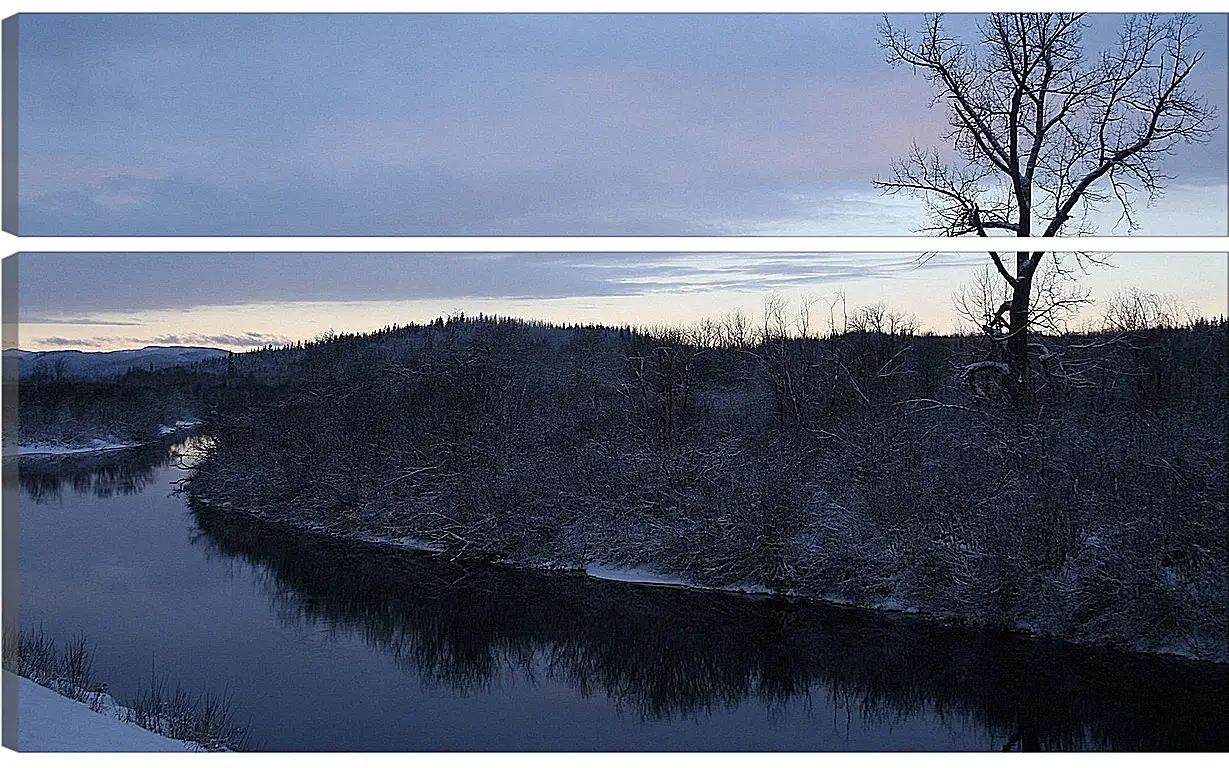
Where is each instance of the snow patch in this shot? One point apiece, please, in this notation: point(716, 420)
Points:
point(49, 722)
point(896, 605)
point(404, 542)
point(759, 589)
point(635, 576)
point(97, 445)
point(178, 426)
point(641, 575)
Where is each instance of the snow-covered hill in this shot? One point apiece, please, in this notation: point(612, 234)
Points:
point(72, 364)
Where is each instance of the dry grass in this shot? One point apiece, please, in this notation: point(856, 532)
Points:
point(204, 719)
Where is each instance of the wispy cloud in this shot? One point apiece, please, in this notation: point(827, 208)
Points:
point(249, 339)
point(77, 321)
point(61, 341)
point(497, 124)
point(113, 289)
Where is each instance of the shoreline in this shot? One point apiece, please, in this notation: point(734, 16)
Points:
point(46, 449)
point(72, 710)
point(98, 445)
point(645, 576)
point(49, 721)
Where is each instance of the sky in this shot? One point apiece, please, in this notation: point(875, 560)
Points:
point(499, 124)
point(240, 301)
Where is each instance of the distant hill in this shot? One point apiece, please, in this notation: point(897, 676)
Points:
point(73, 364)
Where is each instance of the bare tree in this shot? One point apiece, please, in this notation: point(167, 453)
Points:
point(1043, 134)
point(1055, 300)
point(1134, 309)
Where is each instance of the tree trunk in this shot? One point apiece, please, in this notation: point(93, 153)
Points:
point(1021, 295)
point(1017, 329)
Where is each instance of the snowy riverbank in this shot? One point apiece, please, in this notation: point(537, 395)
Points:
point(49, 722)
point(98, 444)
point(648, 576)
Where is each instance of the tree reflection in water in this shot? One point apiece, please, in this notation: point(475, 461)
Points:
point(668, 652)
point(105, 474)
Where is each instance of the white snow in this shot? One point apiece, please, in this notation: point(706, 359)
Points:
point(894, 604)
point(181, 424)
point(634, 575)
point(49, 722)
point(759, 589)
point(404, 542)
point(653, 578)
point(97, 445)
point(58, 449)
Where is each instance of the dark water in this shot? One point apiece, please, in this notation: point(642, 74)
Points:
point(332, 646)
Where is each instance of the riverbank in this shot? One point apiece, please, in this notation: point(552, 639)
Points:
point(682, 653)
point(50, 722)
point(642, 574)
point(96, 445)
point(202, 722)
point(100, 445)
point(420, 653)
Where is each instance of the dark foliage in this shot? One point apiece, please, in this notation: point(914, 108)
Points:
point(871, 466)
point(135, 406)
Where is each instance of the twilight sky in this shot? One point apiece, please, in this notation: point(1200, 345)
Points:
point(498, 124)
point(240, 301)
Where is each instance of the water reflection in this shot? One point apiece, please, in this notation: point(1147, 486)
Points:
point(44, 478)
point(124, 472)
point(664, 653)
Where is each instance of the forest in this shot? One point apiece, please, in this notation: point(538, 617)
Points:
point(866, 464)
point(132, 407)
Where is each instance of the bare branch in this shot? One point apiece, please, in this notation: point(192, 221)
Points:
point(1043, 136)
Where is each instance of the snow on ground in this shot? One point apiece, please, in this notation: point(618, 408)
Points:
point(97, 445)
point(404, 542)
point(49, 722)
point(59, 449)
point(645, 576)
point(634, 575)
point(179, 425)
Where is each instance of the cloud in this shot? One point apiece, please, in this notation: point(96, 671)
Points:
point(76, 321)
point(248, 339)
point(489, 125)
point(118, 288)
point(60, 341)
point(555, 198)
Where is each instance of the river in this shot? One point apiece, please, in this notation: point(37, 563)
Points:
point(326, 645)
